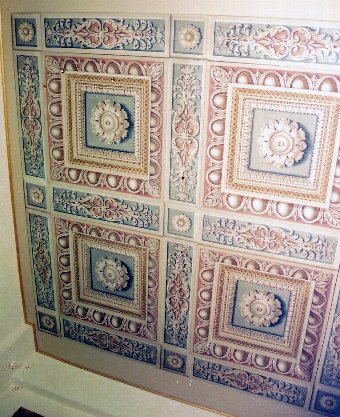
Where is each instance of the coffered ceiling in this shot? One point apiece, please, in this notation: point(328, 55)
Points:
point(181, 180)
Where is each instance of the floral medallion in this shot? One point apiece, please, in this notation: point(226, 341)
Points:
point(47, 322)
point(109, 122)
point(282, 142)
point(189, 37)
point(328, 402)
point(174, 361)
point(36, 195)
point(26, 31)
point(111, 273)
point(181, 222)
point(260, 308)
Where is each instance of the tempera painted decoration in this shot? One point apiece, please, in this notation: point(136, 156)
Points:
point(107, 123)
point(132, 165)
point(132, 35)
point(182, 201)
point(26, 31)
point(276, 42)
point(280, 144)
point(278, 205)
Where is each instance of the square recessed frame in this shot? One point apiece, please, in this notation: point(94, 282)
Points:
point(83, 250)
point(107, 122)
point(280, 143)
point(112, 276)
point(260, 311)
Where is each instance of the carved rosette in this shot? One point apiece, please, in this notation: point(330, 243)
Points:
point(181, 223)
point(109, 122)
point(26, 31)
point(36, 195)
point(175, 361)
point(282, 142)
point(189, 37)
point(329, 402)
point(112, 274)
point(260, 308)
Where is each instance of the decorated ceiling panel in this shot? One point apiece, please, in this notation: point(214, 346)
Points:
point(181, 178)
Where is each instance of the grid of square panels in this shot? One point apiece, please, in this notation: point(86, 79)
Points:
point(170, 195)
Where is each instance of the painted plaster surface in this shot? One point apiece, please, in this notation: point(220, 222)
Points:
point(183, 198)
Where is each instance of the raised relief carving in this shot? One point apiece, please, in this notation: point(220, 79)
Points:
point(260, 308)
point(109, 122)
point(282, 142)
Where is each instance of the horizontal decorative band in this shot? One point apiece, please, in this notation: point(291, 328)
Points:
point(109, 209)
point(273, 240)
point(123, 346)
point(246, 381)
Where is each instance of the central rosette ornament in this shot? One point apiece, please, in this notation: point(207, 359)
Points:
point(260, 308)
point(112, 274)
point(282, 142)
point(109, 122)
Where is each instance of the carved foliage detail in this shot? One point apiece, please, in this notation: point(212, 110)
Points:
point(41, 260)
point(30, 114)
point(177, 294)
point(185, 130)
point(95, 33)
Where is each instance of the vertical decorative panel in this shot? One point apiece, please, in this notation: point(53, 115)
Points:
point(185, 132)
point(178, 290)
point(30, 125)
point(41, 260)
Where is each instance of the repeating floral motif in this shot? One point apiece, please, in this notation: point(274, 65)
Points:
point(278, 42)
point(288, 242)
point(83, 133)
point(108, 34)
point(260, 308)
point(123, 346)
point(331, 366)
point(327, 403)
point(47, 323)
point(41, 261)
point(100, 268)
point(109, 122)
point(189, 37)
point(26, 32)
point(178, 282)
point(30, 114)
point(246, 304)
point(185, 132)
point(92, 313)
point(136, 338)
point(181, 223)
point(110, 209)
point(36, 195)
point(282, 142)
point(247, 381)
point(304, 368)
point(150, 187)
point(174, 361)
point(112, 274)
point(220, 78)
